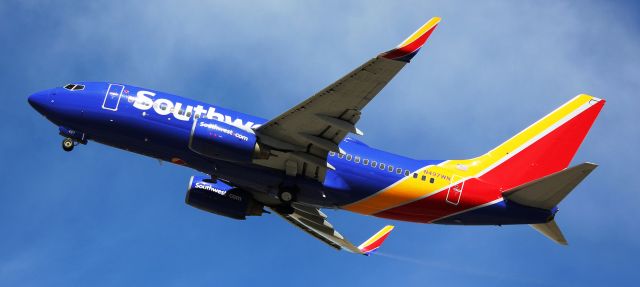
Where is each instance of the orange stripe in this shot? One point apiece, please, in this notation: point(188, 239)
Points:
point(405, 190)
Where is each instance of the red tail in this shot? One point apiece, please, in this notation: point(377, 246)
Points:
point(545, 147)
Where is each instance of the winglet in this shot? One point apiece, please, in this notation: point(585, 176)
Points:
point(373, 243)
point(410, 46)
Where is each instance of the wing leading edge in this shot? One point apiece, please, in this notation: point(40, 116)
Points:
point(302, 136)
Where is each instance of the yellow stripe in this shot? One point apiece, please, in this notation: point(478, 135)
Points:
point(479, 164)
point(426, 27)
point(409, 189)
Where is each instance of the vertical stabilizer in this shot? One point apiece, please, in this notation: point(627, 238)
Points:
point(545, 147)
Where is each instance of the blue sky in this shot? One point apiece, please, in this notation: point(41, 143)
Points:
point(103, 217)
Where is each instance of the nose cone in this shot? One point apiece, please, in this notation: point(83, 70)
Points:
point(40, 100)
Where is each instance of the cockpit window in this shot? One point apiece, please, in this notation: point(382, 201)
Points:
point(74, 87)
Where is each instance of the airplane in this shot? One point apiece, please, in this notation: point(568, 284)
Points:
point(310, 158)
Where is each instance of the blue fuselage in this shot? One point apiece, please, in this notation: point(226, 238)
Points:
point(158, 125)
point(162, 131)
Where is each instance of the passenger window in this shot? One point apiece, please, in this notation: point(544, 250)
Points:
point(374, 163)
point(349, 157)
point(340, 155)
point(365, 161)
point(415, 175)
point(407, 172)
point(332, 153)
point(432, 180)
point(424, 177)
point(390, 168)
point(357, 159)
point(398, 170)
point(196, 116)
point(382, 165)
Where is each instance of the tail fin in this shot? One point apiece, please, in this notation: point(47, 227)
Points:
point(545, 147)
point(375, 241)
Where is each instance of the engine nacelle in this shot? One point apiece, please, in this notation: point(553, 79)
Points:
point(219, 140)
point(222, 199)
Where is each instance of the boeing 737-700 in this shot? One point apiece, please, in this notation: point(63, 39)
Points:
point(309, 157)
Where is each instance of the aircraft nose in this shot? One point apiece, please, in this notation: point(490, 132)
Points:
point(40, 100)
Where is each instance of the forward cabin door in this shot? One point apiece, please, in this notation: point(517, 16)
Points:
point(112, 98)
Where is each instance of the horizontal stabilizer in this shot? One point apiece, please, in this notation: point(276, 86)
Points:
point(548, 191)
point(551, 231)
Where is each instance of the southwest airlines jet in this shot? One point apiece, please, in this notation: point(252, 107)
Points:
point(309, 158)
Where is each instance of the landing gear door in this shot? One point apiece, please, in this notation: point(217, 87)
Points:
point(112, 98)
point(455, 190)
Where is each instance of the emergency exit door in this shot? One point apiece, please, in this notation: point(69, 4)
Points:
point(455, 190)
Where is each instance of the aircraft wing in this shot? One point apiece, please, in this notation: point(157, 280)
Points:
point(314, 222)
point(303, 135)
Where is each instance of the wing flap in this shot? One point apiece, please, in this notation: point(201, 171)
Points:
point(312, 221)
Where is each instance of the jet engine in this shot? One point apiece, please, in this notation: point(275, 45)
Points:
point(219, 140)
point(222, 199)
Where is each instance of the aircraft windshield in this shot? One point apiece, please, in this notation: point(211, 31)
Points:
point(74, 87)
